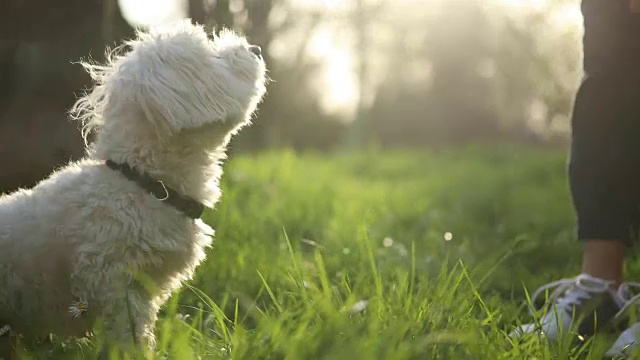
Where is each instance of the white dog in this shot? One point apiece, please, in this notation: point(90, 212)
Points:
point(111, 236)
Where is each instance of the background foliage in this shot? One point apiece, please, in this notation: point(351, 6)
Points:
point(427, 73)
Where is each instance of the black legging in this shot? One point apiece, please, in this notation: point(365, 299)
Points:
point(604, 170)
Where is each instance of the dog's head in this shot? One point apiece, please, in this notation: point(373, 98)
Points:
point(174, 78)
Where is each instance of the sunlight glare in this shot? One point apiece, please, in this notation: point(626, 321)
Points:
point(153, 12)
point(338, 80)
point(568, 16)
point(524, 4)
point(340, 83)
point(324, 5)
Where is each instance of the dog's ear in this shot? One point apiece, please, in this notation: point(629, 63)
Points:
point(172, 78)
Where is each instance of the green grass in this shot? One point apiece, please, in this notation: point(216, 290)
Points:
point(300, 248)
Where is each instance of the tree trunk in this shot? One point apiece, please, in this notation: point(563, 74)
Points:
point(197, 12)
point(39, 42)
point(222, 15)
point(357, 133)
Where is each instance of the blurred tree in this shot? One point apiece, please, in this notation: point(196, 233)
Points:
point(432, 72)
point(197, 12)
point(459, 72)
point(39, 41)
point(221, 14)
point(357, 133)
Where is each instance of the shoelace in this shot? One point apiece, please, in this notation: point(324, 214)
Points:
point(625, 293)
point(582, 288)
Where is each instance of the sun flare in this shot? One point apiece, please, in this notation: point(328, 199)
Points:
point(153, 12)
point(338, 78)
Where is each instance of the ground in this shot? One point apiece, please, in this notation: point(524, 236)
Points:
point(376, 255)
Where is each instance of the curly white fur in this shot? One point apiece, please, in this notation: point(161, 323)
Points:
point(168, 106)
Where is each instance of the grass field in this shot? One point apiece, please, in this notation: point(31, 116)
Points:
point(376, 255)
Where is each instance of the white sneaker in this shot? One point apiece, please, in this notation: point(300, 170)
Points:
point(629, 339)
point(626, 343)
point(580, 305)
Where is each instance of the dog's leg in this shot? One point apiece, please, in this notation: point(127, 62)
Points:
point(129, 323)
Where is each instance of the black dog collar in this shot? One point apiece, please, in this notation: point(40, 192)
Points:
point(185, 204)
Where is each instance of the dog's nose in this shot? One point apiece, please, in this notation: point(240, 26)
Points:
point(255, 49)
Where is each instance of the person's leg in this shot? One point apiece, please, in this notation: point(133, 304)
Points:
point(629, 340)
point(605, 160)
point(603, 175)
point(604, 259)
point(604, 171)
